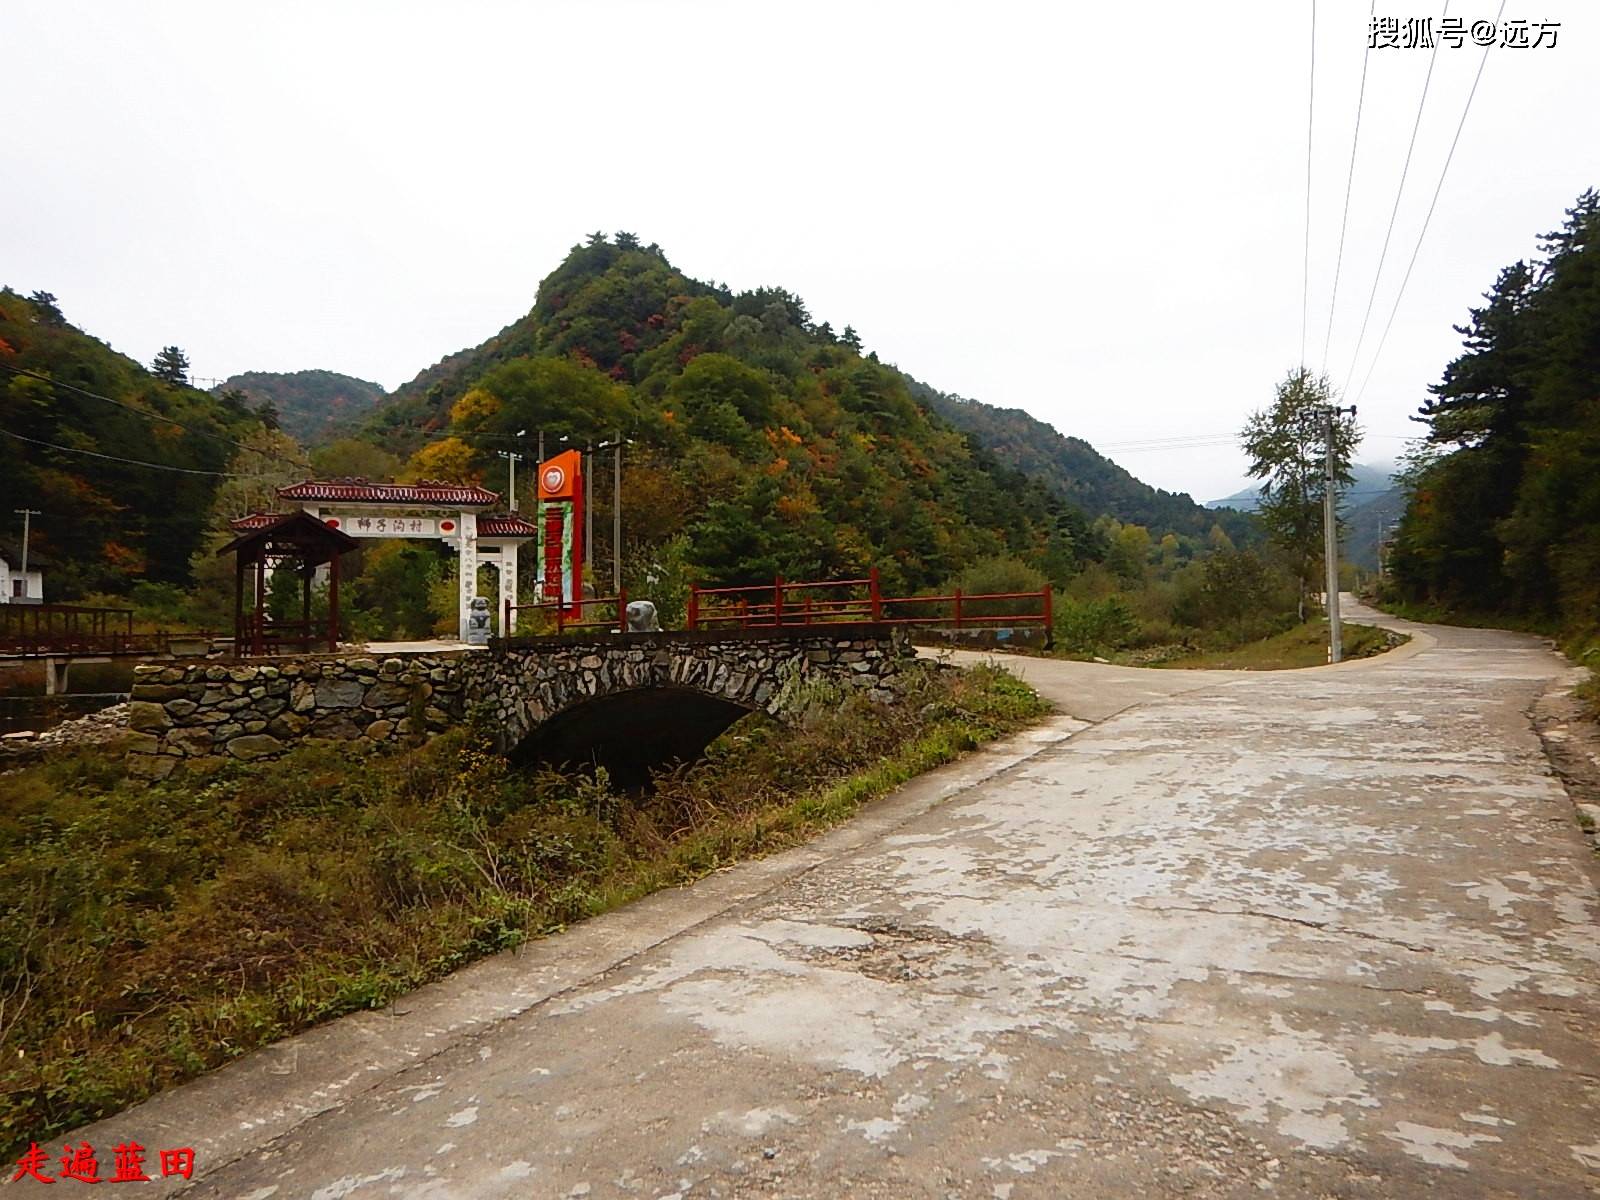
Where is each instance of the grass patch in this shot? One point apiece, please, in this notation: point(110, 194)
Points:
point(150, 933)
point(1433, 614)
point(1587, 694)
point(1303, 646)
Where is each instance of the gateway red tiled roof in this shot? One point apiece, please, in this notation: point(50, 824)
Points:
point(359, 491)
point(501, 525)
point(496, 525)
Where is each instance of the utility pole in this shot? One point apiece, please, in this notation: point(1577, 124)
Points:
point(1330, 531)
point(615, 446)
point(27, 514)
point(616, 516)
point(588, 510)
point(513, 458)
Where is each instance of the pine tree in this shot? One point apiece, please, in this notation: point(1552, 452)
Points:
point(171, 366)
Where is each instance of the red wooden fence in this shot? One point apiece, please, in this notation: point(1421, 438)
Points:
point(782, 603)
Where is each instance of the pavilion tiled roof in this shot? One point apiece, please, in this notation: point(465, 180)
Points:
point(506, 525)
point(360, 491)
point(255, 520)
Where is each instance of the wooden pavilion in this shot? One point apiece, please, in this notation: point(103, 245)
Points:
point(269, 542)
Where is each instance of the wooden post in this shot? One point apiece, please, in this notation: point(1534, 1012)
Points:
point(257, 637)
point(238, 604)
point(333, 604)
point(958, 608)
point(1049, 622)
point(622, 610)
point(694, 607)
point(305, 607)
point(777, 600)
point(876, 595)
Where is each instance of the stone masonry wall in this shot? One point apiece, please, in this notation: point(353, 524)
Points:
point(203, 713)
point(525, 682)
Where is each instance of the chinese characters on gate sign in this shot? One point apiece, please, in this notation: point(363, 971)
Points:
point(80, 1164)
point(1424, 33)
point(393, 525)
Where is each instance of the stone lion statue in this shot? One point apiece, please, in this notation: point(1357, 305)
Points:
point(642, 617)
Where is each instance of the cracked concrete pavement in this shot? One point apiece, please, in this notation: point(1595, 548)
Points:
point(1323, 933)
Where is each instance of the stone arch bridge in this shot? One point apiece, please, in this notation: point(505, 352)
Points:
point(626, 701)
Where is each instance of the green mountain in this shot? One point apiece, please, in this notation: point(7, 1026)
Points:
point(763, 442)
point(313, 407)
point(1370, 520)
point(852, 458)
point(1076, 470)
point(122, 465)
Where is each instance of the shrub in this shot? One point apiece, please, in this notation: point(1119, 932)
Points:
point(992, 575)
point(1086, 627)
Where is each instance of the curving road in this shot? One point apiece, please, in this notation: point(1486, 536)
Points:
point(1323, 933)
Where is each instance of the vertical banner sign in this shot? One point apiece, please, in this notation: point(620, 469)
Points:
point(561, 530)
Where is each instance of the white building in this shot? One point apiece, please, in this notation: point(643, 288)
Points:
point(16, 587)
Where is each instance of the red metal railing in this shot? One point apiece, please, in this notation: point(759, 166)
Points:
point(559, 609)
point(782, 603)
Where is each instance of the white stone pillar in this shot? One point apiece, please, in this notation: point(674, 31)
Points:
point(508, 586)
point(467, 564)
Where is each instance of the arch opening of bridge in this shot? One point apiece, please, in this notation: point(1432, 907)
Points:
point(631, 733)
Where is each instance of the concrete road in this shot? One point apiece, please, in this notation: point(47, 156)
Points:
point(1326, 933)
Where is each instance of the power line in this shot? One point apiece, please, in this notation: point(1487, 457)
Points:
point(152, 416)
point(1158, 442)
point(1344, 221)
point(130, 461)
point(1399, 191)
point(1311, 107)
point(1417, 249)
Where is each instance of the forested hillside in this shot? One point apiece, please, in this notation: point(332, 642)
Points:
point(774, 440)
point(762, 442)
point(310, 406)
point(1504, 504)
point(124, 484)
point(1076, 470)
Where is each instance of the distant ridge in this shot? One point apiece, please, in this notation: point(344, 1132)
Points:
point(1075, 469)
point(1370, 502)
point(312, 406)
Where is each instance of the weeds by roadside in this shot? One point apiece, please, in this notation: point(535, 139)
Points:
point(1303, 646)
point(149, 933)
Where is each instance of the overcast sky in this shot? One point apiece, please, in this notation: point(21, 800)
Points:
point(1092, 212)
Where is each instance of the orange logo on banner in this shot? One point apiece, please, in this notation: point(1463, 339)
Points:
point(558, 476)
